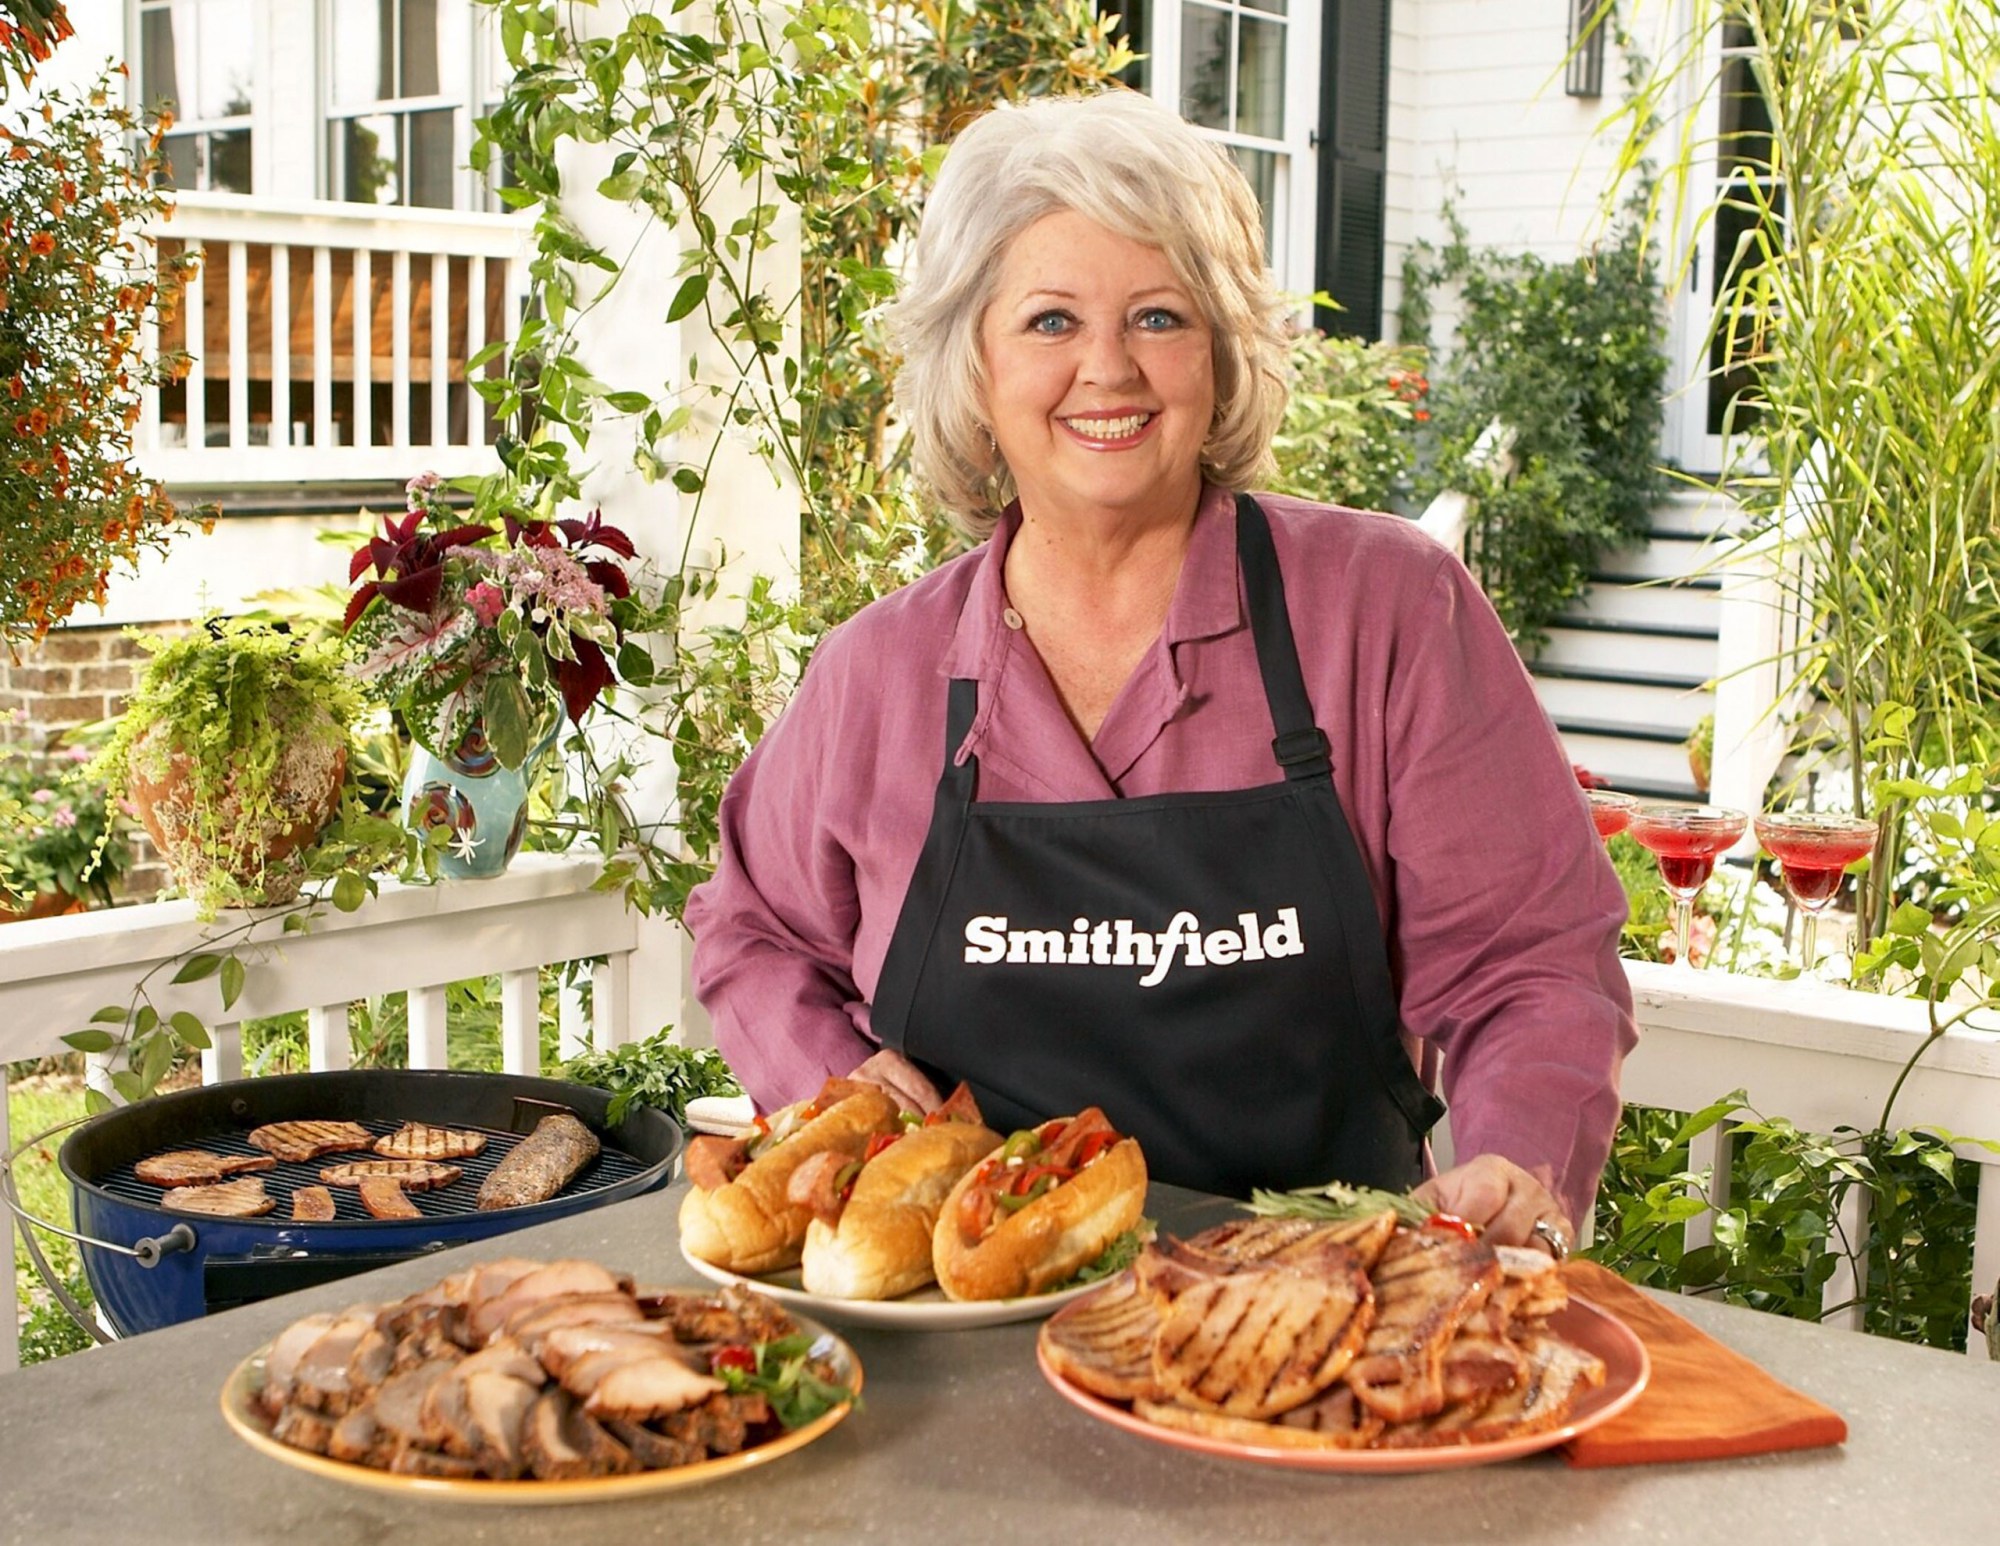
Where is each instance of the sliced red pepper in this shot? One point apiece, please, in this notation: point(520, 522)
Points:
point(1451, 1223)
point(734, 1356)
point(1051, 1130)
point(1094, 1145)
point(877, 1144)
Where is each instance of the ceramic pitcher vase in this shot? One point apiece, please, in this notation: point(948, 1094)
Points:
point(482, 805)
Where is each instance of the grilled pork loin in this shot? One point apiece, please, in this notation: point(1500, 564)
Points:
point(197, 1167)
point(312, 1204)
point(541, 1165)
point(299, 1141)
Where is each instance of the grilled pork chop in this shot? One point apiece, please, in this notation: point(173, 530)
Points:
point(418, 1141)
point(1332, 1420)
point(197, 1167)
point(298, 1141)
point(384, 1198)
point(1254, 1339)
point(1104, 1343)
point(410, 1175)
point(243, 1198)
point(1292, 1239)
point(1426, 1285)
point(1555, 1373)
point(541, 1165)
point(312, 1204)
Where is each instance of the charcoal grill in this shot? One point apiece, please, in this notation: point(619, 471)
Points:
point(201, 1264)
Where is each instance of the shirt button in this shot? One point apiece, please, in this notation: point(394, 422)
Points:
point(1012, 618)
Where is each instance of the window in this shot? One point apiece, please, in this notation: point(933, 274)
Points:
point(397, 98)
point(195, 59)
point(1583, 71)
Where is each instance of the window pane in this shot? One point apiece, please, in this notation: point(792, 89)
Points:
point(365, 160)
point(420, 36)
point(1205, 66)
point(362, 62)
point(431, 163)
point(1261, 167)
point(1260, 78)
point(180, 170)
point(229, 161)
point(159, 75)
point(1745, 128)
point(1275, 7)
point(225, 69)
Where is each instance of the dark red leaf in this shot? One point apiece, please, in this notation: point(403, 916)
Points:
point(582, 679)
point(418, 591)
point(609, 575)
point(357, 604)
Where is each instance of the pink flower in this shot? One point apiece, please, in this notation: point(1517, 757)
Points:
point(487, 602)
point(42, 796)
point(62, 816)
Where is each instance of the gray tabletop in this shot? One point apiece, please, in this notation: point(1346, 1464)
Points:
point(959, 1441)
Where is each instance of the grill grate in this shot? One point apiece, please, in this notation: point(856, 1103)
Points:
point(611, 1168)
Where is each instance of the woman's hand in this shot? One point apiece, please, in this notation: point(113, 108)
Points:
point(1506, 1201)
point(895, 1073)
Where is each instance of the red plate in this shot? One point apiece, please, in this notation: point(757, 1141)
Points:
point(1626, 1369)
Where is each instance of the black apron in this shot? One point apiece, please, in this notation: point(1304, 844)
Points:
point(1207, 967)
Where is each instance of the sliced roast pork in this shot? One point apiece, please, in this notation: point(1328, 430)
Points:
point(282, 1362)
point(561, 1442)
point(486, 1316)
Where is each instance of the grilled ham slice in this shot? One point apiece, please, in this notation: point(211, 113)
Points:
point(410, 1175)
point(312, 1204)
point(243, 1198)
point(1104, 1343)
point(299, 1141)
point(385, 1199)
point(197, 1167)
point(1426, 1285)
point(1253, 1339)
point(1554, 1374)
point(419, 1141)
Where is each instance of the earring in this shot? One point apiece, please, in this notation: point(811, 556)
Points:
point(992, 444)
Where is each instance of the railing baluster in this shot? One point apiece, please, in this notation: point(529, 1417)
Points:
point(194, 308)
point(239, 345)
point(1986, 1248)
point(329, 1047)
point(364, 347)
point(97, 1075)
point(10, 1303)
point(475, 340)
point(399, 348)
point(427, 1015)
point(572, 1029)
point(521, 1022)
point(322, 339)
point(1850, 1277)
point(610, 1001)
point(440, 349)
point(1710, 1151)
point(222, 1059)
point(281, 345)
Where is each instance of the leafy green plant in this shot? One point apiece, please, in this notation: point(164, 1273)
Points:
point(1566, 356)
point(1349, 432)
point(65, 837)
point(654, 1072)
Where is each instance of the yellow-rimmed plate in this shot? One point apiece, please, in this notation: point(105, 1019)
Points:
point(241, 1412)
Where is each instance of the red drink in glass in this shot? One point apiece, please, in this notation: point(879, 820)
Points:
point(1611, 813)
point(1814, 851)
point(1686, 840)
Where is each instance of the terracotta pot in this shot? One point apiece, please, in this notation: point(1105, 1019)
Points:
point(43, 904)
point(264, 866)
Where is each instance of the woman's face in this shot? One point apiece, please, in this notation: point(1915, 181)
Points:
point(1100, 375)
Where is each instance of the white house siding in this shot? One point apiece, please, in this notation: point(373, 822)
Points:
point(1478, 117)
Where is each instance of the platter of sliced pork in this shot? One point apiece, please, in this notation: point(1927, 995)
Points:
point(521, 1381)
point(1362, 1345)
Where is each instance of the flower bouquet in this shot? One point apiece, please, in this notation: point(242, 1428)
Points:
point(486, 642)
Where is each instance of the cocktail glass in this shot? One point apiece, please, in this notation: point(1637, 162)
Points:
point(1611, 811)
point(1813, 850)
point(1686, 840)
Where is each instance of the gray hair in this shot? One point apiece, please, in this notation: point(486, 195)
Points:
point(1131, 165)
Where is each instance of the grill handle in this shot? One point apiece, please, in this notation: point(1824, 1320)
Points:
point(153, 1247)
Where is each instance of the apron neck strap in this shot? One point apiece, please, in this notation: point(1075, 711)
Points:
point(1300, 745)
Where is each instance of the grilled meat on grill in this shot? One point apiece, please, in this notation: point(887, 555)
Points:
point(243, 1198)
point(298, 1141)
point(197, 1167)
point(419, 1141)
point(541, 1165)
point(410, 1175)
point(312, 1204)
point(386, 1199)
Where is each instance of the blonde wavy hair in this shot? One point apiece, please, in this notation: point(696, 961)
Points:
point(1131, 165)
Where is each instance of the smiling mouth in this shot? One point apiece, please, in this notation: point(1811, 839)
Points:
point(1121, 428)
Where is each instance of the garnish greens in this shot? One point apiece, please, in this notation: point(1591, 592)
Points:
point(784, 1376)
point(654, 1072)
point(1115, 1257)
point(1336, 1200)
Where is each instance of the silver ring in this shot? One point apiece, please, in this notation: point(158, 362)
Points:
point(1553, 1238)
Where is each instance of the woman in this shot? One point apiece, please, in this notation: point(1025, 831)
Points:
point(1237, 817)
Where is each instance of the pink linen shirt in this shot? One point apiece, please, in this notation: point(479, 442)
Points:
point(1500, 909)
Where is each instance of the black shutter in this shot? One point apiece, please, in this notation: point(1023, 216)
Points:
point(1353, 144)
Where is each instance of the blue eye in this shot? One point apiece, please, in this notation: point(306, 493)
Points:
point(1158, 319)
point(1050, 324)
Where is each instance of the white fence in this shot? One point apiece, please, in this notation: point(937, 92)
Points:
point(329, 341)
point(1823, 1057)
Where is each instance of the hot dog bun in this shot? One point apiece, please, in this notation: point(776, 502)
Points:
point(749, 1225)
point(1048, 1240)
point(882, 1245)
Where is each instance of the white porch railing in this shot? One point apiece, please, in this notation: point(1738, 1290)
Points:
point(55, 973)
point(329, 341)
point(1448, 517)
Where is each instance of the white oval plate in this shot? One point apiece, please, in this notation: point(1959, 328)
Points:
point(927, 1309)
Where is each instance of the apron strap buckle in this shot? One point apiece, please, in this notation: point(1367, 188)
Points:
point(1302, 753)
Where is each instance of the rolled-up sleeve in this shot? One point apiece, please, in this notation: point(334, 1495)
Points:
point(1507, 912)
point(774, 928)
